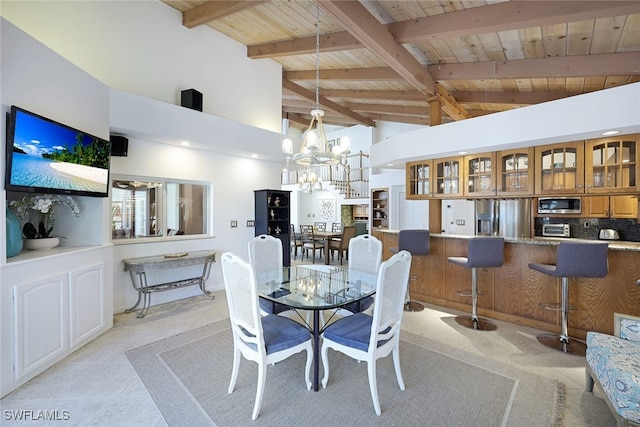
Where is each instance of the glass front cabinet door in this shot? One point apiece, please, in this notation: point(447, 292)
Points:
point(419, 179)
point(480, 176)
point(448, 175)
point(515, 172)
point(560, 168)
point(612, 165)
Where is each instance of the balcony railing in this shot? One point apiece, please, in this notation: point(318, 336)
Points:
point(350, 179)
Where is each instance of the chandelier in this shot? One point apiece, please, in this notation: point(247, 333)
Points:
point(315, 148)
point(309, 181)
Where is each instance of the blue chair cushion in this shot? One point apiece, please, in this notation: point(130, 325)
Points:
point(351, 331)
point(281, 333)
point(273, 307)
point(358, 306)
point(616, 363)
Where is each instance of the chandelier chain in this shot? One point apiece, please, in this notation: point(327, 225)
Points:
point(317, 57)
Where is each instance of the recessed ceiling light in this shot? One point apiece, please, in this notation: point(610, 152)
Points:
point(463, 152)
point(185, 143)
point(610, 132)
point(389, 164)
point(254, 156)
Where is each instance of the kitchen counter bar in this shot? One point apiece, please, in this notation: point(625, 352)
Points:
point(514, 292)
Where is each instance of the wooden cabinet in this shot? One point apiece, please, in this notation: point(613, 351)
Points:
point(515, 172)
point(610, 207)
point(447, 177)
point(612, 165)
point(418, 175)
point(479, 175)
point(272, 217)
point(559, 168)
point(380, 208)
point(360, 212)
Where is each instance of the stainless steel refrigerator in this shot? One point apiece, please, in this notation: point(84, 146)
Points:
point(505, 217)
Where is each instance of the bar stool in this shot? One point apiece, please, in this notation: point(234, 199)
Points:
point(416, 242)
point(573, 259)
point(482, 252)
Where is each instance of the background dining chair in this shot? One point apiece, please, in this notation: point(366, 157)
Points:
point(336, 227)
point(342, 244)
point(263, 339)
point(309, 242)
point(320, 226)
point(296, 241)
point(265, 254)
point(365, 254)
point(369, 338)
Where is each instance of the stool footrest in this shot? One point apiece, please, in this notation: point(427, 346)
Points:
point(554, 306)
point(468, 293)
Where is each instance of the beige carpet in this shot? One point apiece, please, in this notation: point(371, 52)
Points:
point(188, 375)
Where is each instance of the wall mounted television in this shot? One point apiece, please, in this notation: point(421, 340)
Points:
point(44, 156)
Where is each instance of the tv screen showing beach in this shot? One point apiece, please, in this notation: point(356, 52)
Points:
point(49, 156)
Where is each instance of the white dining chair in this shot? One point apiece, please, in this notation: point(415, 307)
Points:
point(365, 254)
point(266, 254)
point(263, 339)
point(368, 338)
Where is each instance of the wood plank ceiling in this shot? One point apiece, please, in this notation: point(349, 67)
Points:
point(429, 62)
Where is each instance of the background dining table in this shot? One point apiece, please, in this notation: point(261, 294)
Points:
point(326, 236)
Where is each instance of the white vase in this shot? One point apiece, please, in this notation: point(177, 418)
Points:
point(40, 244)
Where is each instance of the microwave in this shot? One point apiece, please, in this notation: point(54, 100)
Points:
point(559, 205)
point(556, 230)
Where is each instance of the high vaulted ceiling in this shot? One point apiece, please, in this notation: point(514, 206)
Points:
point(429, 62)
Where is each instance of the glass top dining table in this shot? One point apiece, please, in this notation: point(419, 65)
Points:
point(315, 288)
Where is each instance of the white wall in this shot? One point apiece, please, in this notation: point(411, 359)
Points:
point(140, 47)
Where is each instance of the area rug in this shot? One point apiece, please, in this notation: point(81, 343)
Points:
point(188, 375)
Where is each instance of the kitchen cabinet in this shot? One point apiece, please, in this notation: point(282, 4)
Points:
point(418, 180)
point(612, 165)
point(447, 177)
point(515, 172)
point(480, 175)
point(380, 208)
point(559, 168)
point(360, 212)
point(272, 217)
point(610, 207)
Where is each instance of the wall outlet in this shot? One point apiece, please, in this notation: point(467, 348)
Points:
point(459, 221)
point(586, 224)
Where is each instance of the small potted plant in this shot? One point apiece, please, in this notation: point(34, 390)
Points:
point(39, 209)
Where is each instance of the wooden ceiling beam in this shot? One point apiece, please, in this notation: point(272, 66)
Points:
point(213, 10)
point(478, 20)
point(511, 15)
point(405, 110)
point(450, 106)
point(353, 74)
point(325, 103)
point(357, 20)
point(619, 64)
point(526, 98)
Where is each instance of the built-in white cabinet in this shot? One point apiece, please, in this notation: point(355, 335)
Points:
point(50, 311)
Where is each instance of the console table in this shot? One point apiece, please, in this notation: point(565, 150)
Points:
point(139, 267)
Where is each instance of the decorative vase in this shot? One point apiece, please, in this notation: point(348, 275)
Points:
point(14, 234)
point(40, 244)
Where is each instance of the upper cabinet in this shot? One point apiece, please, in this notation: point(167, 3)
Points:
point(447, 177)
point(480, 175)
point(559, 168)
point(515, 172)
point(611, 165)
point(419, 180)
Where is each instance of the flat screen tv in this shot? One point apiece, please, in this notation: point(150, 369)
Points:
point(44, 156)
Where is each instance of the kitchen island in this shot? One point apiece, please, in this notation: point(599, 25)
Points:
point(514, 292)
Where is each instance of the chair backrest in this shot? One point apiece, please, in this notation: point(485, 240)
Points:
point(582, 259)
point(365, 253)
point(265, 253)
point(336, 227)
point(390, 298)
point(348, 233)
point(306, 232)
point(416, 242)
point(321, 226)
point(242, 298)
point(485, 251)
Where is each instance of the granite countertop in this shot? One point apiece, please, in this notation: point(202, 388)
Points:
point(549, 241)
